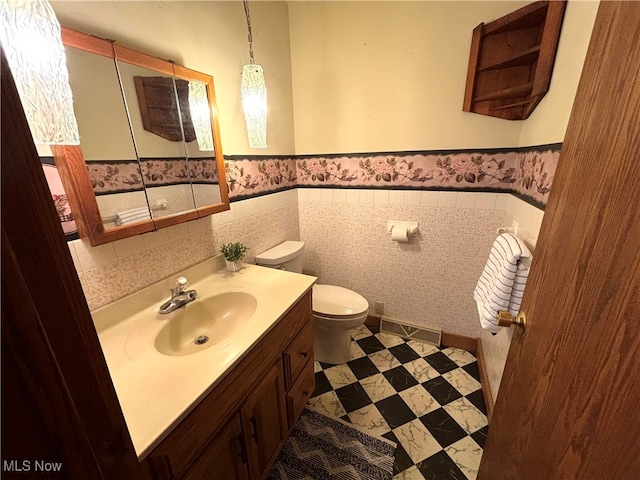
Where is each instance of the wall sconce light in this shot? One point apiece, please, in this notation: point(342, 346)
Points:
point(254, 95)
point(30, 36)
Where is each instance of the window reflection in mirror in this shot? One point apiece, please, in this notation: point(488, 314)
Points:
point(106, 138)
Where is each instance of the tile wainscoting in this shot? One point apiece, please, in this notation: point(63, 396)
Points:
point(427, 281)
point(109, 272)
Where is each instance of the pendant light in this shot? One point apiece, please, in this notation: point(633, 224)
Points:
point(31, 40)
point(254, 95)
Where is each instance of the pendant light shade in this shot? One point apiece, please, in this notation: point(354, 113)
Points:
point(254, 103)
point(30, 36)
point(201, 115)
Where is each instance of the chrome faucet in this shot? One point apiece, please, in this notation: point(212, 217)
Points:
point(179, 296)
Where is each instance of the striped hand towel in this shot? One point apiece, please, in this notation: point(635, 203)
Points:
point(503, 279)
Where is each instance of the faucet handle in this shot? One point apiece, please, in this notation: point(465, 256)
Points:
point(181, 284)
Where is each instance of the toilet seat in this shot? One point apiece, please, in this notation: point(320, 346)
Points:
point(335, 302)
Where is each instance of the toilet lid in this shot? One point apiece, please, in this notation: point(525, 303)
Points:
point(333, 301)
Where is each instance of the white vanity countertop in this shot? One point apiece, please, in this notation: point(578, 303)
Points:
point(156, 391)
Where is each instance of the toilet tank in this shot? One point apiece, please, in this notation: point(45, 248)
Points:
point(286, 256)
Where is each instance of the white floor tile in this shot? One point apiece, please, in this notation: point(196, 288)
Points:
point(419, 400)
point(461, 357)
point(328, 403)
point(340, 376)
point(370, 419)
point(377, 387)
point(466, 453)
point(384, 360)
point(421, 370)
point(416, 440)
point(462, 381)
point(466, 415)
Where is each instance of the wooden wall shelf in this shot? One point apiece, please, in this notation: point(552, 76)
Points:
point(511, 61)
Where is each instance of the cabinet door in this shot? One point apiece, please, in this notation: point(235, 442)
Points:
point(225, 457)
point(264, 422)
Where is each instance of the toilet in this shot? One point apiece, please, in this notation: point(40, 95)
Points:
point(336, 310)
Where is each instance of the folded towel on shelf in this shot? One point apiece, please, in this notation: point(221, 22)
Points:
point(133, 215)
point(503, 280)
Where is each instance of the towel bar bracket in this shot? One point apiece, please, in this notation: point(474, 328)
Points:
point(505, 319)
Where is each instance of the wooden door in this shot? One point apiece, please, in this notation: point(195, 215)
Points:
point(225, 457)
point(48, 339)
point(569, 402)
point(263, 419)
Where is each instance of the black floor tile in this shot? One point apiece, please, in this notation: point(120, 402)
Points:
point(480, 436)
point(441, 390)
point(363, 367)
point(325, 365)
point(345, 418)
point(370, 345)
point(374, 328)
point(395, 411)
point(404, 353)
point(322, 384)
point(441, 362)
point(440, 467)
point(402, 460)
point(472, 369)
point(400, 378)
point(353, 397)
point(443, 427)
point(478, 400)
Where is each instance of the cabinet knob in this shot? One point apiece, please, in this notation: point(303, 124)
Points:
point(304, 354)
point(305, 393)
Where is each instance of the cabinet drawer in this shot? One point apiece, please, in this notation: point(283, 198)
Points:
point(300, 393)
point(297, 354)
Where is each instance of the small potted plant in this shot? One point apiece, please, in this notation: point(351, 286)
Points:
point(233, 255)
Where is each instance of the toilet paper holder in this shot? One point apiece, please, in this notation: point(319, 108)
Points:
point(410, 227)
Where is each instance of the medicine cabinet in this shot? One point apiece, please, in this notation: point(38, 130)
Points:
point(150, 154)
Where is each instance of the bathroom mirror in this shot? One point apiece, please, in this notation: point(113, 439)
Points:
point(202, 152)
point(152, 167)
point(107, 145)
point(151, 98)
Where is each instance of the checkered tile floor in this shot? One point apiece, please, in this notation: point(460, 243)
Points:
point(427, 400)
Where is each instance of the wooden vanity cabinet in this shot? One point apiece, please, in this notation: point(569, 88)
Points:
point(264, 422)
point(239, 428)
point(226, 455)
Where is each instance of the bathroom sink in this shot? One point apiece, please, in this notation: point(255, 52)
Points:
point(205, 323)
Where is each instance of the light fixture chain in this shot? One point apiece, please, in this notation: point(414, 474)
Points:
point(248, 15)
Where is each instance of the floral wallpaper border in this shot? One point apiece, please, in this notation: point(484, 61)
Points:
point(120, 176)
point(525, 171)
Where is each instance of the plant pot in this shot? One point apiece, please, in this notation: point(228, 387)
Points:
point(233, 266)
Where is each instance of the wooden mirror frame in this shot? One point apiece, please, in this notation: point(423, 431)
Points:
point(73, 168)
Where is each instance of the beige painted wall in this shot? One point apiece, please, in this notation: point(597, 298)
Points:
point(384, 76)
point(210, 37)
point(548, 122)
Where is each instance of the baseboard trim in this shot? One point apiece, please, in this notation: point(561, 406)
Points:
point(459, 341)
point(373, 322)
point(484, 380)
point(473, 345)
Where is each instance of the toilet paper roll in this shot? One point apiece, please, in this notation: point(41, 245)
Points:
point(399, 234)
